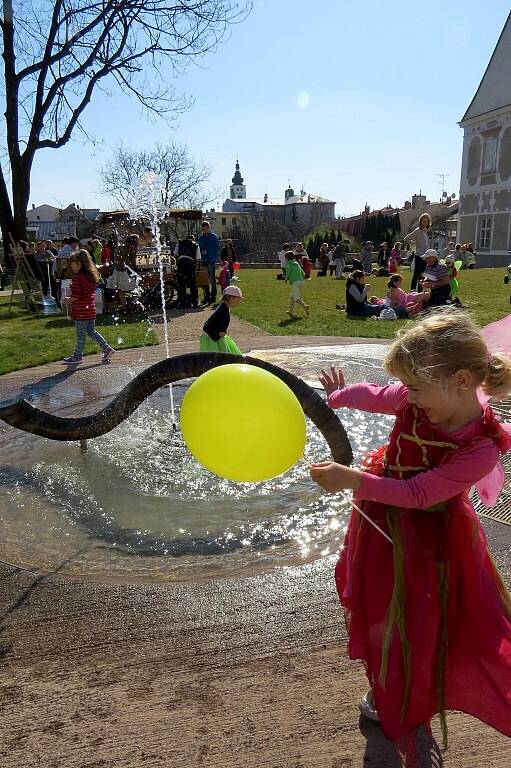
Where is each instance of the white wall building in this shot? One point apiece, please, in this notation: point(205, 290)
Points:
point(42, 213)
point(485, 186)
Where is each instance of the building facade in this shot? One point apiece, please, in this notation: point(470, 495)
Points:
point(485, 185)
point(224, 224)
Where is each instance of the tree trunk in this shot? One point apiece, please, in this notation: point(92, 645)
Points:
point(6, 218)
point(13, 218)
point(20, 195)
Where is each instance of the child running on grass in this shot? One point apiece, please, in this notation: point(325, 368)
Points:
point(83, 306)
point(214, 333)
point(295, 277)
point(427, 612)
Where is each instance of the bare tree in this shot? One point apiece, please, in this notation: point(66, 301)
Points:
point(57, 53)
point(180, 176)
point(259, 235)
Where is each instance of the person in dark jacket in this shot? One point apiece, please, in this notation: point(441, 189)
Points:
point(186, 272)
point(209, 246)
point(383, 255)
point(228, 254)
point(186, 269)
point(356, 297)
point(214, 332)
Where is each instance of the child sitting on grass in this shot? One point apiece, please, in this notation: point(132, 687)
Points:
point(404, 304)
point(357, 304)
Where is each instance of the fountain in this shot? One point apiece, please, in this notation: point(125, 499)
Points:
point(146, 202)
point(137, 505)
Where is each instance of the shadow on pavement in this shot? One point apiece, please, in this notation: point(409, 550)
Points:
point(420, 750)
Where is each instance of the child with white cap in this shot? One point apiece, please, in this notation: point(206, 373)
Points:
point(214, 336)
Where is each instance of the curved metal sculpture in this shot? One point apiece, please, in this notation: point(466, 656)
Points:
point(22, 415)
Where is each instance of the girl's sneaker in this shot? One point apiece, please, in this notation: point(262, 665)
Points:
point(107, 354)
point(72, 360)
point(367, 708)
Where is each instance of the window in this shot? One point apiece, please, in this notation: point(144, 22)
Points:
point(233, 220)
point(224, 221)
point(490, 156)
point(485, 233)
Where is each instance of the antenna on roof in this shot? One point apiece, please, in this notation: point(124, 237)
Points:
point(441, 180)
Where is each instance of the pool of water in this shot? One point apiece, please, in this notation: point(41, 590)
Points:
point(138, 506)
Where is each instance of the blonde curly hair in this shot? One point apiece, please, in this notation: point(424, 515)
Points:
point(442, 343)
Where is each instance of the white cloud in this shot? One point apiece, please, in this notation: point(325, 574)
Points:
point(303, 99)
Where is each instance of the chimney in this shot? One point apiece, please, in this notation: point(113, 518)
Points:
point(33, 206)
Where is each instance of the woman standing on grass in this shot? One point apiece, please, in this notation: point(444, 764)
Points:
point(421, 237)
point(83, 306)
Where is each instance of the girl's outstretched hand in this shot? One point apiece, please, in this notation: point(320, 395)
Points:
point(332, 381)
point(335, 477)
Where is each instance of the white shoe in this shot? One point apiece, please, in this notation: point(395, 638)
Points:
point(367, 708)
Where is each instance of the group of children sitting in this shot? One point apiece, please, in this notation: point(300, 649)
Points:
point(402, 303)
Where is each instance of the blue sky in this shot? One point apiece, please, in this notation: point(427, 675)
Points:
point(357, 101)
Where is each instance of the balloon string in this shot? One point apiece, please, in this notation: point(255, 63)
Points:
point(366, 517)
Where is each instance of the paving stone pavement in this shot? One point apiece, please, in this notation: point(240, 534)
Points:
point(224, 673)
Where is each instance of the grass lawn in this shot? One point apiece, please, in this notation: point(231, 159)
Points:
point(482, 292)
point(28, 339)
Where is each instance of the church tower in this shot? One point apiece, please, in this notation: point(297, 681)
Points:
point(238, 189)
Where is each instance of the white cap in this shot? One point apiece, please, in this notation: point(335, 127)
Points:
point(233, 290)
point(430, 253)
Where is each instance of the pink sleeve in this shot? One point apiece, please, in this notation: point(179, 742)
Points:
point(456, 474)
point(370, 397)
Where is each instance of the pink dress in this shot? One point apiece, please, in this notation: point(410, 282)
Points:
point(429, 614)
point(223, 277)
point(393, 264)
point(397, 297)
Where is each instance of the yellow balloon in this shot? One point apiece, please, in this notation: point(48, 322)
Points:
point(243, 423)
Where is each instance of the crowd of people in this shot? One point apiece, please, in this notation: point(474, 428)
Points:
point(433, 275)
point(209, 264)
point(116, 264)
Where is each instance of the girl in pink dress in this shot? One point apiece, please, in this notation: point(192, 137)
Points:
point(394, 259)
point(426, 609)
point(224, 277)
point(411, 303)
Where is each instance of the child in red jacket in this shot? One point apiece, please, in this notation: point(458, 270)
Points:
point(83, 305)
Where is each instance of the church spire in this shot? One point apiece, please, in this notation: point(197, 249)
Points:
point(237, 179)
point(238, 189)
